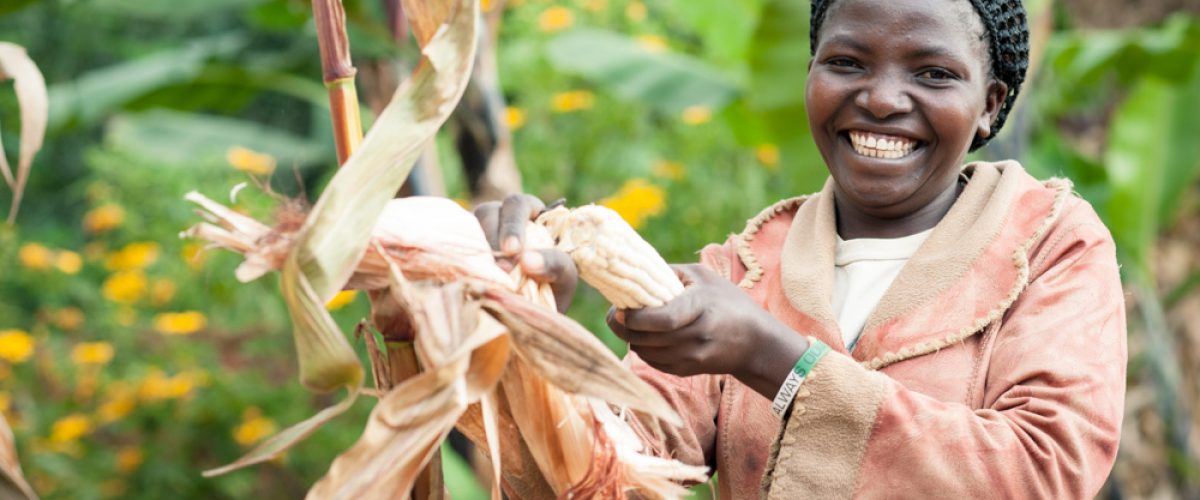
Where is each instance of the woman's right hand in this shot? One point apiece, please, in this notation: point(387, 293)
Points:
point(504, 225)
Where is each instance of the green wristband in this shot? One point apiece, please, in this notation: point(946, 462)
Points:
point(816, 351)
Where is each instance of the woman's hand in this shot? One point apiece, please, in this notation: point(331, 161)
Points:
point(504, 225)
point(713, 327)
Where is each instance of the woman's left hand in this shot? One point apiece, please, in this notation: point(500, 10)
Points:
point(713, 327)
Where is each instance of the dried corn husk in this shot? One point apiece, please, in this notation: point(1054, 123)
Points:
point(552, 391)
point(434, 263)
point(322, 254)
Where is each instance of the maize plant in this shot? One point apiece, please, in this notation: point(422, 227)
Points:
point(465, 343)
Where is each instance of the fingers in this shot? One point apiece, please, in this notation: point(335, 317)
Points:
point(489, 219)
point(673, 315)
point(639, 339)
point(515, 212)
point(554, 267)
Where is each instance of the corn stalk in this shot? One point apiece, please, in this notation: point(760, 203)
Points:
point(338, 74)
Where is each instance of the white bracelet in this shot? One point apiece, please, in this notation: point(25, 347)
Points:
point(787, 392)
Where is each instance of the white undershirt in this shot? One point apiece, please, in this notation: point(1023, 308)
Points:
point(864, 269)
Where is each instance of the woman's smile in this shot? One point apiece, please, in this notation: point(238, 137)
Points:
point(888, 147)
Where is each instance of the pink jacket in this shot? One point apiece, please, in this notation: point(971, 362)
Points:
point(994, 367)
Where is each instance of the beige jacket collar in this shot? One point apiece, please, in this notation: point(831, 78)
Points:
point(986, 234)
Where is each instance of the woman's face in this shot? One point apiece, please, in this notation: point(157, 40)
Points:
point(896, 92)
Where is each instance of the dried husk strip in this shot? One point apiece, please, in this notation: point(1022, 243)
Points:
point(34, 102)
point(570, 357)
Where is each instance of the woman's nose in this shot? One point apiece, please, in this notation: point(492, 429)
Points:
point(884, 96)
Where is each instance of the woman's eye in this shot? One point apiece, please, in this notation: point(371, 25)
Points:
point(936, 74)
point(842, 62)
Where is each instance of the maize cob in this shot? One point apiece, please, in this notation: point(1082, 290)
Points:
point(612, 257)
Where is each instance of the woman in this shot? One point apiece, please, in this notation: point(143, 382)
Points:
point(917, 329)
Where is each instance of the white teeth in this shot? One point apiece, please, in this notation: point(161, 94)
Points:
point(880, 146)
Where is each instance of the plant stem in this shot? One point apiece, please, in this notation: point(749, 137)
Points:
point(338, 73)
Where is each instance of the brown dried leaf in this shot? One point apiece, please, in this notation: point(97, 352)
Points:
point(12, 481)
point(285, 439)
point(35, 108)
point(571, 358)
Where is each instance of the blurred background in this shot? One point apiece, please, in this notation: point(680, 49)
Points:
point(130, 360)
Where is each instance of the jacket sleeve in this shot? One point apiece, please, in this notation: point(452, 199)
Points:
point(697, 399)
point(1053, 403)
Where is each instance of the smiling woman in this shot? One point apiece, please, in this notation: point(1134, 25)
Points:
point(897, 93)
point(917, 329)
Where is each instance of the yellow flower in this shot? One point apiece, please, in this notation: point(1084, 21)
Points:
point(68, 262)
point(67, 318)
point(180, 323)
point(652, 43)
point(103, 218)
point(16, 346)
point(157, 386)
point(194, 255)
point(129, 459)
point(92, 353)
point(35, 256)
point(5, 402)
point(70, 428)
point(254, 427)
point(696, 115)
point(668, 169)
point(555, 18)
point(595, 6)
point(768, 155)
point(574, 100)
point(340, 300)
point(162, 291)
point(636, 11)
point(250, 161)
point(515, 117)
point(124, 287)
point(485, 5)
point(636, 201)
point(119, 402)
point(137, 255)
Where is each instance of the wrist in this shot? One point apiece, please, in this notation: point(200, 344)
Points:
point(775, 356)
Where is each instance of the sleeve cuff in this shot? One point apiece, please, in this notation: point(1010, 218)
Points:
point(825, 431)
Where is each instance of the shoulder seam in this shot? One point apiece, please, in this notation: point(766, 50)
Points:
point(754, 270)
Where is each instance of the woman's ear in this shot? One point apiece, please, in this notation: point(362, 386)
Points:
point(997, 91)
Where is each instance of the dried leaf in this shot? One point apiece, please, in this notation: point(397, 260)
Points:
point(570, 357)
point(35, 107)
point(12, 481)
point(285, 439)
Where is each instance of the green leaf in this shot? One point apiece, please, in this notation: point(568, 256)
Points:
point(1182, 163)
point(670, 82)
point(175, 138)
point(170, 9)
point(779, 69)
point(97, 93)
point(726, 27)
point(1136, 162)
